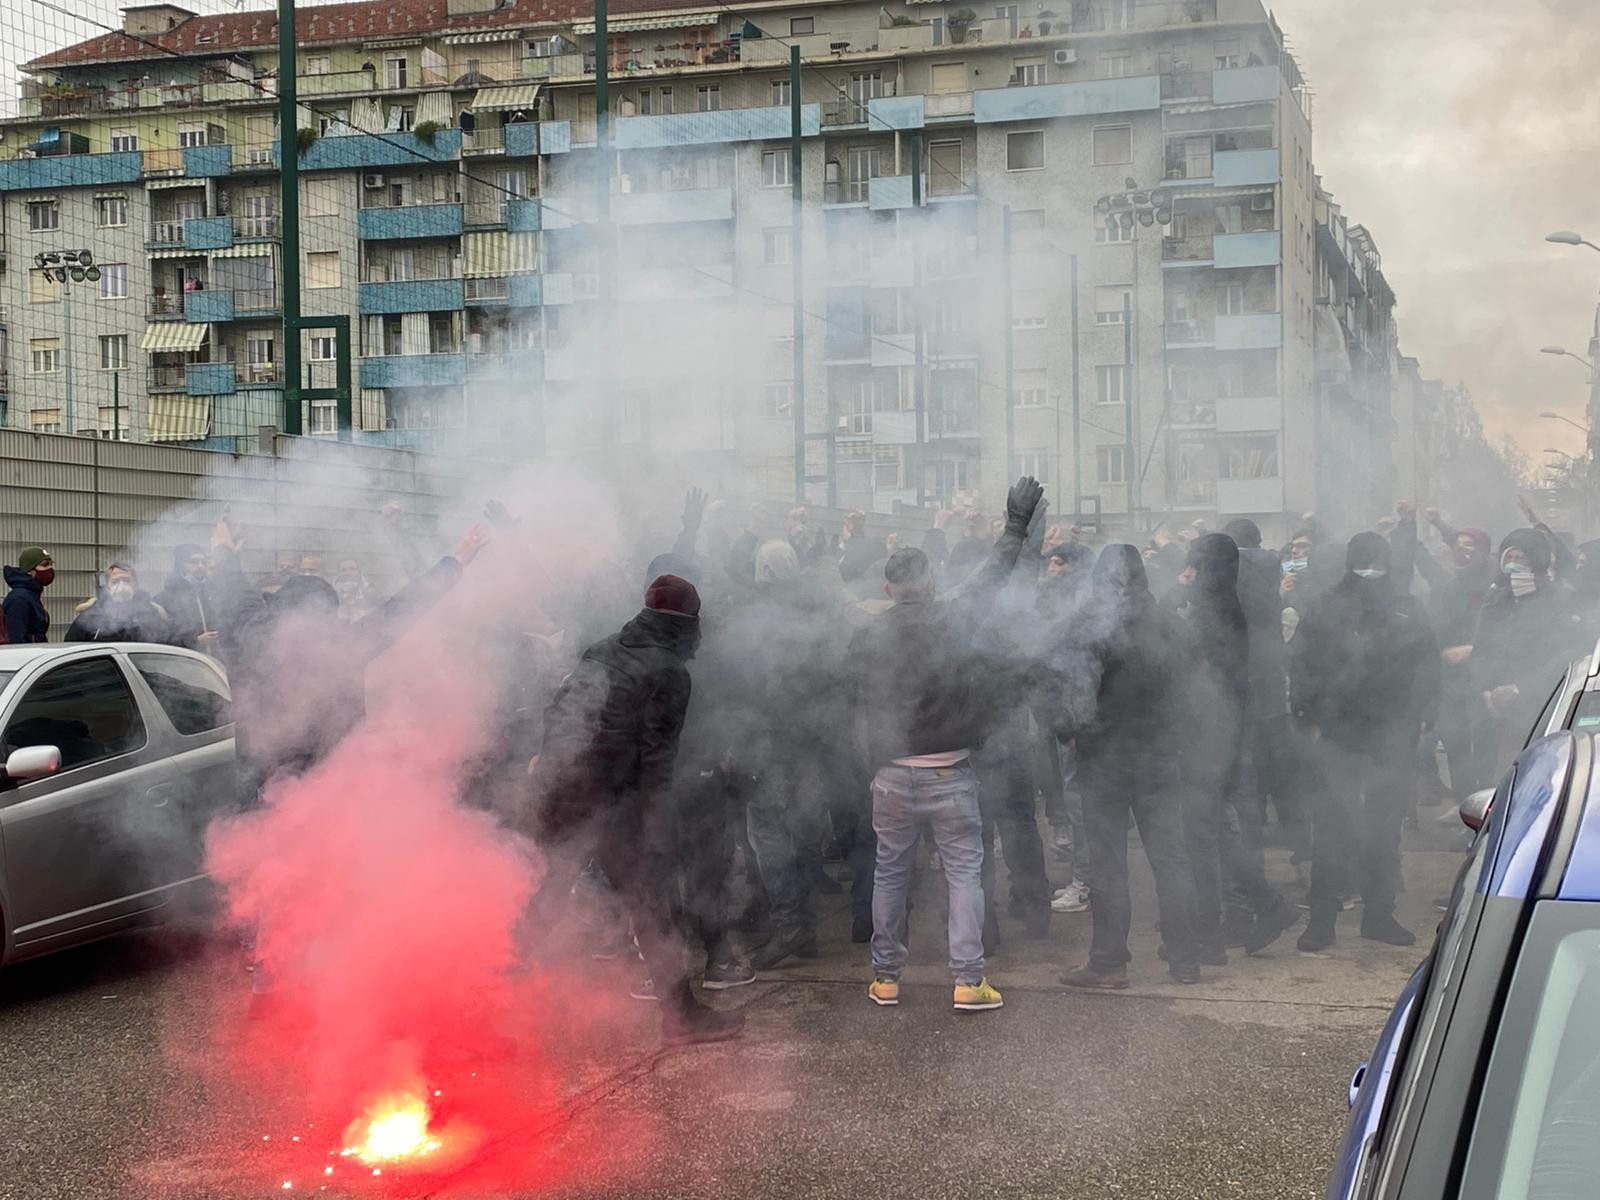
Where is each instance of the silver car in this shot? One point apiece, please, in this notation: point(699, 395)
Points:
point(116, 757)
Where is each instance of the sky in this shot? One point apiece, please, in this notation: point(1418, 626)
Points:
point(1459, 132)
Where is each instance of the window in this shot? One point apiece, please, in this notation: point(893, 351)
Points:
point(946, 175)
point(321, 347)
point(44, 355)
point(322, 197)
point(1114, 66)
point(1228, 54)
point(665, 97)
point(799, 25)
point(1030, 390)
point(774, 168)
point(1035, 463)
point(407, 119)
point(861, 166)
point(708, 98)
point(1111, 384)
point(332, 124)
point(512, 184)
point(394, 71)
point(318, 64)
point(775, 246)
point(949, 77)
point(113, 351)
point(1025, 151)
point(938, 30)
point(1028, 311)
point(43, 288)
point(191, 135)
point(539, 48)
point(781, 93)
point(1110, 305)
point(45, 420)
point(864, 86)
point(1011, 14)
point(1230, 218)
point(1111, 464)
point(260, 356)
point(780, 399)
point(1248, 457)
point(322, 269)
point(1113, 144)
point(324, 418)
point(124, 140)
point(1230, 299)
point(1026, 72)
point(84, 709)
point(113, 281)
point(190, 692)
point(110, 212)
point(44, 216)
point(1107, 235)
point(1119, 14)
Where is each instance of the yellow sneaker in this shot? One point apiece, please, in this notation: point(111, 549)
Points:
point(976, 997)
point(885, 992)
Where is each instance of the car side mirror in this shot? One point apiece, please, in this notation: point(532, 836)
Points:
point(33, 762)
point(1475, 808)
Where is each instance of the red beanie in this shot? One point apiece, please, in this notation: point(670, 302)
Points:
point(670, 594)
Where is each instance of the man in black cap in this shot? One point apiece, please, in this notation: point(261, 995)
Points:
point(1364, 677)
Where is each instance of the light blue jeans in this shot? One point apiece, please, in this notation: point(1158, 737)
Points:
point(946, 799)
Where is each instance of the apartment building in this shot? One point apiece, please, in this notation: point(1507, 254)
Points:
point(953, 165)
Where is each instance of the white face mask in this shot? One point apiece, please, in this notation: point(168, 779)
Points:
point(1371, 572)
point(1523, 581)
point(120, 590)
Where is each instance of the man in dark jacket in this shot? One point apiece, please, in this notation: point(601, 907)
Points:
point(26, 618)
point(187, 599)
point(1133, 659)
point(1364, 676)
point(119, 612)
point(605, 776)
point(925, 702)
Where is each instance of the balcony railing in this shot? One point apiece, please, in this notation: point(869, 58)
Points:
point(165, 304)
point(254, 156)
point(256, 374)
point(948, 104)
point(166, 233)
point(1187, 333)
point(851, 111)
point(1189, 249)
point(255, 300)
point(263, 226)
point(485, 139)
point(167, 377)
point(1186, 85)
point(163, 162)
point(498, 288)
point(845, 191)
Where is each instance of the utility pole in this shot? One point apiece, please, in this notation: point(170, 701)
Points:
point(116, 406)
point(1131, 458)
point(66, 316)
point(797, 399)
point(919, 341)
point(605, 256)
point(1011, 350)
point(1077, 410)
point(289, 202)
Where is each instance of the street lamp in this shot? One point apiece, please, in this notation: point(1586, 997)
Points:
point(1551, 416)
point(1568, 353)
point(67, 267)
point(1565, 237)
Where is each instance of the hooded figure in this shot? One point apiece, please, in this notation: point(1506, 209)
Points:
point(610, 742)
point(1135, 656)
point(26, 619)
point(119, 612)
point(1525, 638)
point(1364, 675)
point(187, 598)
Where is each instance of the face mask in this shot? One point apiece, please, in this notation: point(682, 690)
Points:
point(120, 590)
point(1523, 581)
point(44, 576)
point(1371, 572)
point(1294, 566)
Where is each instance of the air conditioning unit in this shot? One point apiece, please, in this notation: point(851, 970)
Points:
point(1066, 57)
point(372, 179)
point(1260, 203)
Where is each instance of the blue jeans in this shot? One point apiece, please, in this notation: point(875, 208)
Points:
point(903, 798)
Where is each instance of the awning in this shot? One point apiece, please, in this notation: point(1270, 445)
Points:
point(174, 336)
point(435, 107)
point(516, 95)
point(478, 39)
point(197, 255)
point(640, 24)
point(168, 182)
point(496, 253)
point(247, 251)
point(178, 418)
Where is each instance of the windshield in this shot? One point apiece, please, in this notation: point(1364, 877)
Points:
point(1538, 1124)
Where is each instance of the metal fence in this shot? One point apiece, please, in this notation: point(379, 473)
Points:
point(91, 501)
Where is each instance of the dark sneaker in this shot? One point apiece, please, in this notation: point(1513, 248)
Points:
point(1270, 926)
point(861, 930)
point(1386, 929)
point(727, 972)
point(1212, 954)
point(1185, 972)
point(791, 941)
point(1103, 979)
point(1318, 933)
point(827, 885)
point(698, 1024)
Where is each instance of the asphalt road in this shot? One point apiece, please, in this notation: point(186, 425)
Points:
point(1232, 1088)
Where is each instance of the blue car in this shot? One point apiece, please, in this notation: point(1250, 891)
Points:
point(1486, 1079)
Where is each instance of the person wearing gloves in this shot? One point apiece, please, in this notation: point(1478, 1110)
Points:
point(924, 700)
point(1364, 681)
point(26, 618)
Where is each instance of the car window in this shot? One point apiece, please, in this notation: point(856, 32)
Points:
point(1587, 715)
point(192, 694)
point(1543, 723)
point(84, 708)
point(5, 678)
point(1537, 1134)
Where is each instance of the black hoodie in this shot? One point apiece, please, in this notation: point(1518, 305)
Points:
point(1138, 655)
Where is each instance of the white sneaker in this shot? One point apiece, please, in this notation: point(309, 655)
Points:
point(1074, 898)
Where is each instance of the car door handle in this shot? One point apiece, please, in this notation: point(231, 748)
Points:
point(160, 795)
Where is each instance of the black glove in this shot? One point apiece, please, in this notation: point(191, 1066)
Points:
point(1021, 502)
point(498, 515)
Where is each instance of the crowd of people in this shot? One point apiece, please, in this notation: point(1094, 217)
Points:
point(785, 699)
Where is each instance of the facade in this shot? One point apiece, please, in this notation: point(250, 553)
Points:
point(951, 165)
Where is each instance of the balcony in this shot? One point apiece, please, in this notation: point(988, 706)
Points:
point(1186, 252)
point(409, 221)
point(940, 105)
point(264, 228)
point(363, 152)
point(484, 139)
point(207, 162)
point(255, 156)
point(1246, 249)
point(894, 428)
point(893, 191)
point(162, 305)
point(257, 375)
point(505, 365)
point(1249, 414)
point(705, 128)
point(68, 170)
point(1186, 333)
point(209, 379)
point(411, 296)
point(1250, 496)
point(1186, 87)
point(1250, 331)
point(206, 305)
point(1246, 85)
point(519, 216)
point(1241, 168)
point(480, 291)
point(414, 370)
point(253, 302)
point(1094, 97)
point(162, 162)
point(207, 233)
point(659, 208)
point(169, 377)
point(893, 349)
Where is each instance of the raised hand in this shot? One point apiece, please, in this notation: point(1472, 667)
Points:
point(694, 507)
point(471, 542)
point(1022, 500)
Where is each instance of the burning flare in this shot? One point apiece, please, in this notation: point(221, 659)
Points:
point(394, 1129)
